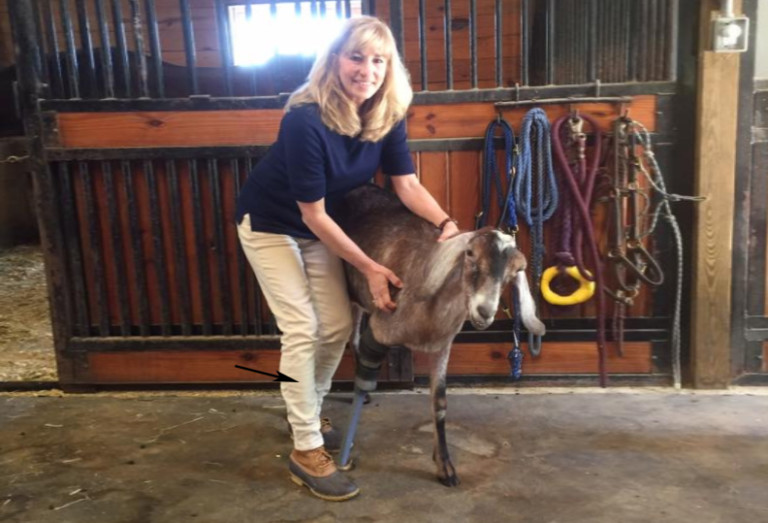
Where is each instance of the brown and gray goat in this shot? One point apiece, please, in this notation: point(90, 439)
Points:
point(444, 284)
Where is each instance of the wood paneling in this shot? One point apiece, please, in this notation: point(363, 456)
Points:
point(168, 128)
point(466, 359)
point(471, 119)
point(556, 358)
point(260, 126)
point(198, 366)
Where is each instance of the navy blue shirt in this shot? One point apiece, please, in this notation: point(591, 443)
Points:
point(309, 162)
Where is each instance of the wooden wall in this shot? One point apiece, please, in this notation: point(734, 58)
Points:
point(453, 177)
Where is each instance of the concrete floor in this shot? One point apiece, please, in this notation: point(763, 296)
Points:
point(575, 456)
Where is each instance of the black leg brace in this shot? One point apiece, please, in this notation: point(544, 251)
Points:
point(368, 361)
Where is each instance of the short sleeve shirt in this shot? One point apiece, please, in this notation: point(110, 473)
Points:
point(309, 162)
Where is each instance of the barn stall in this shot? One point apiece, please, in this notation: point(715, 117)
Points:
point(139, 152)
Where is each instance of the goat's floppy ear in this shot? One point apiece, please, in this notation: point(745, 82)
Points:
point(527, 307)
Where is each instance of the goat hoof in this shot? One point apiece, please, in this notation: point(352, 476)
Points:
point(450, 481)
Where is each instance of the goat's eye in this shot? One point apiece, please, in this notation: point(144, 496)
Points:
point(470, 253)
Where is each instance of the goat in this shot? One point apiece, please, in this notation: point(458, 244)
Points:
point(443, 284)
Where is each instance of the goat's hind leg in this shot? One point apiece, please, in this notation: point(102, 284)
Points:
point(446, 473)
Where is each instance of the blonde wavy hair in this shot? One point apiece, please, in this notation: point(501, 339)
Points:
point(377, 115)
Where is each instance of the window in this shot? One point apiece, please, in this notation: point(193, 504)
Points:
point(262, 30)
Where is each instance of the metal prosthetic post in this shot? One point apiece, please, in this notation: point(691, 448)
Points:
point(369, 358)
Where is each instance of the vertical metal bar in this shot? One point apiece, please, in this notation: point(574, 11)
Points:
point(564, 42)
point(118, 260)
point(396, 24)
point(41, 62)
point(138, 38)
point(613, 40)
point(672, 49)
point(225, 43)
point(584, 11)
point(86, 48)
point(643, 69)
point(313, 8)
point(347, 9)
point(73, 72)
point(155, 49)
point(99, 299)
point(423, 45)
point(634, 42)
point(140, 280)
point(322, 8)
point(249, 22)
point(122, 48)
point(498, 40)
point(179, 242)
point(651, 32)
point(550, 43)
point(189, 45)
point(74, 251)
point(368, 7)
point(159, 252)
point(473, 42)
point(57, 78)
point(107, 74)
point(240, 259)
point(626, 24)
point(225, 296)
point(203, 274)
point(524, 41)
point(662, 43)
point(448, 45)
point(339, 9)
point(591, 29)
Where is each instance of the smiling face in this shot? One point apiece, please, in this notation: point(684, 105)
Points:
point(361, 73)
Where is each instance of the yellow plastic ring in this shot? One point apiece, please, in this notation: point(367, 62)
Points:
point(583, 293)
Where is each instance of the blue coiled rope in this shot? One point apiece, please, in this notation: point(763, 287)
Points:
point(508, 218)
point(536, 194)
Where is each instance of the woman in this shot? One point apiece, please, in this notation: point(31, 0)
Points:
point(339, 128)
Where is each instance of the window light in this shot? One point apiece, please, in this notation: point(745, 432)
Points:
point(261, 31)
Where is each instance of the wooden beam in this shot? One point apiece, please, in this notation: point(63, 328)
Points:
point(717, 109)
point(490, 359)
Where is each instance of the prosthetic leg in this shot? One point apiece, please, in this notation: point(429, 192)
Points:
point(368, 360)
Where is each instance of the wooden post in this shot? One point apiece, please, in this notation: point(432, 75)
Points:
point(717, 110)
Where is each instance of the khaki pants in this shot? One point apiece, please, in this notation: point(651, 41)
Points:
point(303, 283)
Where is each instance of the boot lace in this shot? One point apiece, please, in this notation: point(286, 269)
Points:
point(323, 459)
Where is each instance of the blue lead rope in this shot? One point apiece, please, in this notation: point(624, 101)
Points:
point(536, 208)
point(508, 218)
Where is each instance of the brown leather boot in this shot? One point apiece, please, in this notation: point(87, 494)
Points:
point(316, 470)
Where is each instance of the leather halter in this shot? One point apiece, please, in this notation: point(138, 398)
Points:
point(632, 265)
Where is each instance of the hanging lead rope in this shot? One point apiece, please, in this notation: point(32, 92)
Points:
point(656, 179)
point(507, 218)
point(536, 195)
point(581, 184)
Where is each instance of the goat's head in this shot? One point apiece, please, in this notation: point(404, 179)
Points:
point(491, 260)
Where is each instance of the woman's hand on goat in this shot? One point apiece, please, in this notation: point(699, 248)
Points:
point(450, 229)
point(379, 278)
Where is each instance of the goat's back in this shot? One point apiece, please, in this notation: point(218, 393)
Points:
point(389, 233)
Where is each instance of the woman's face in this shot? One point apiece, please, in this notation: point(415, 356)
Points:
point(361, 74)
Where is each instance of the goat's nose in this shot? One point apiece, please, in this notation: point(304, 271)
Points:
point(484, 311)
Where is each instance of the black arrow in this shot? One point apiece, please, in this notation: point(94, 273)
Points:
point(278, 377)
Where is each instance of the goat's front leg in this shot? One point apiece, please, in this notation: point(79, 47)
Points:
point(446, 473)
